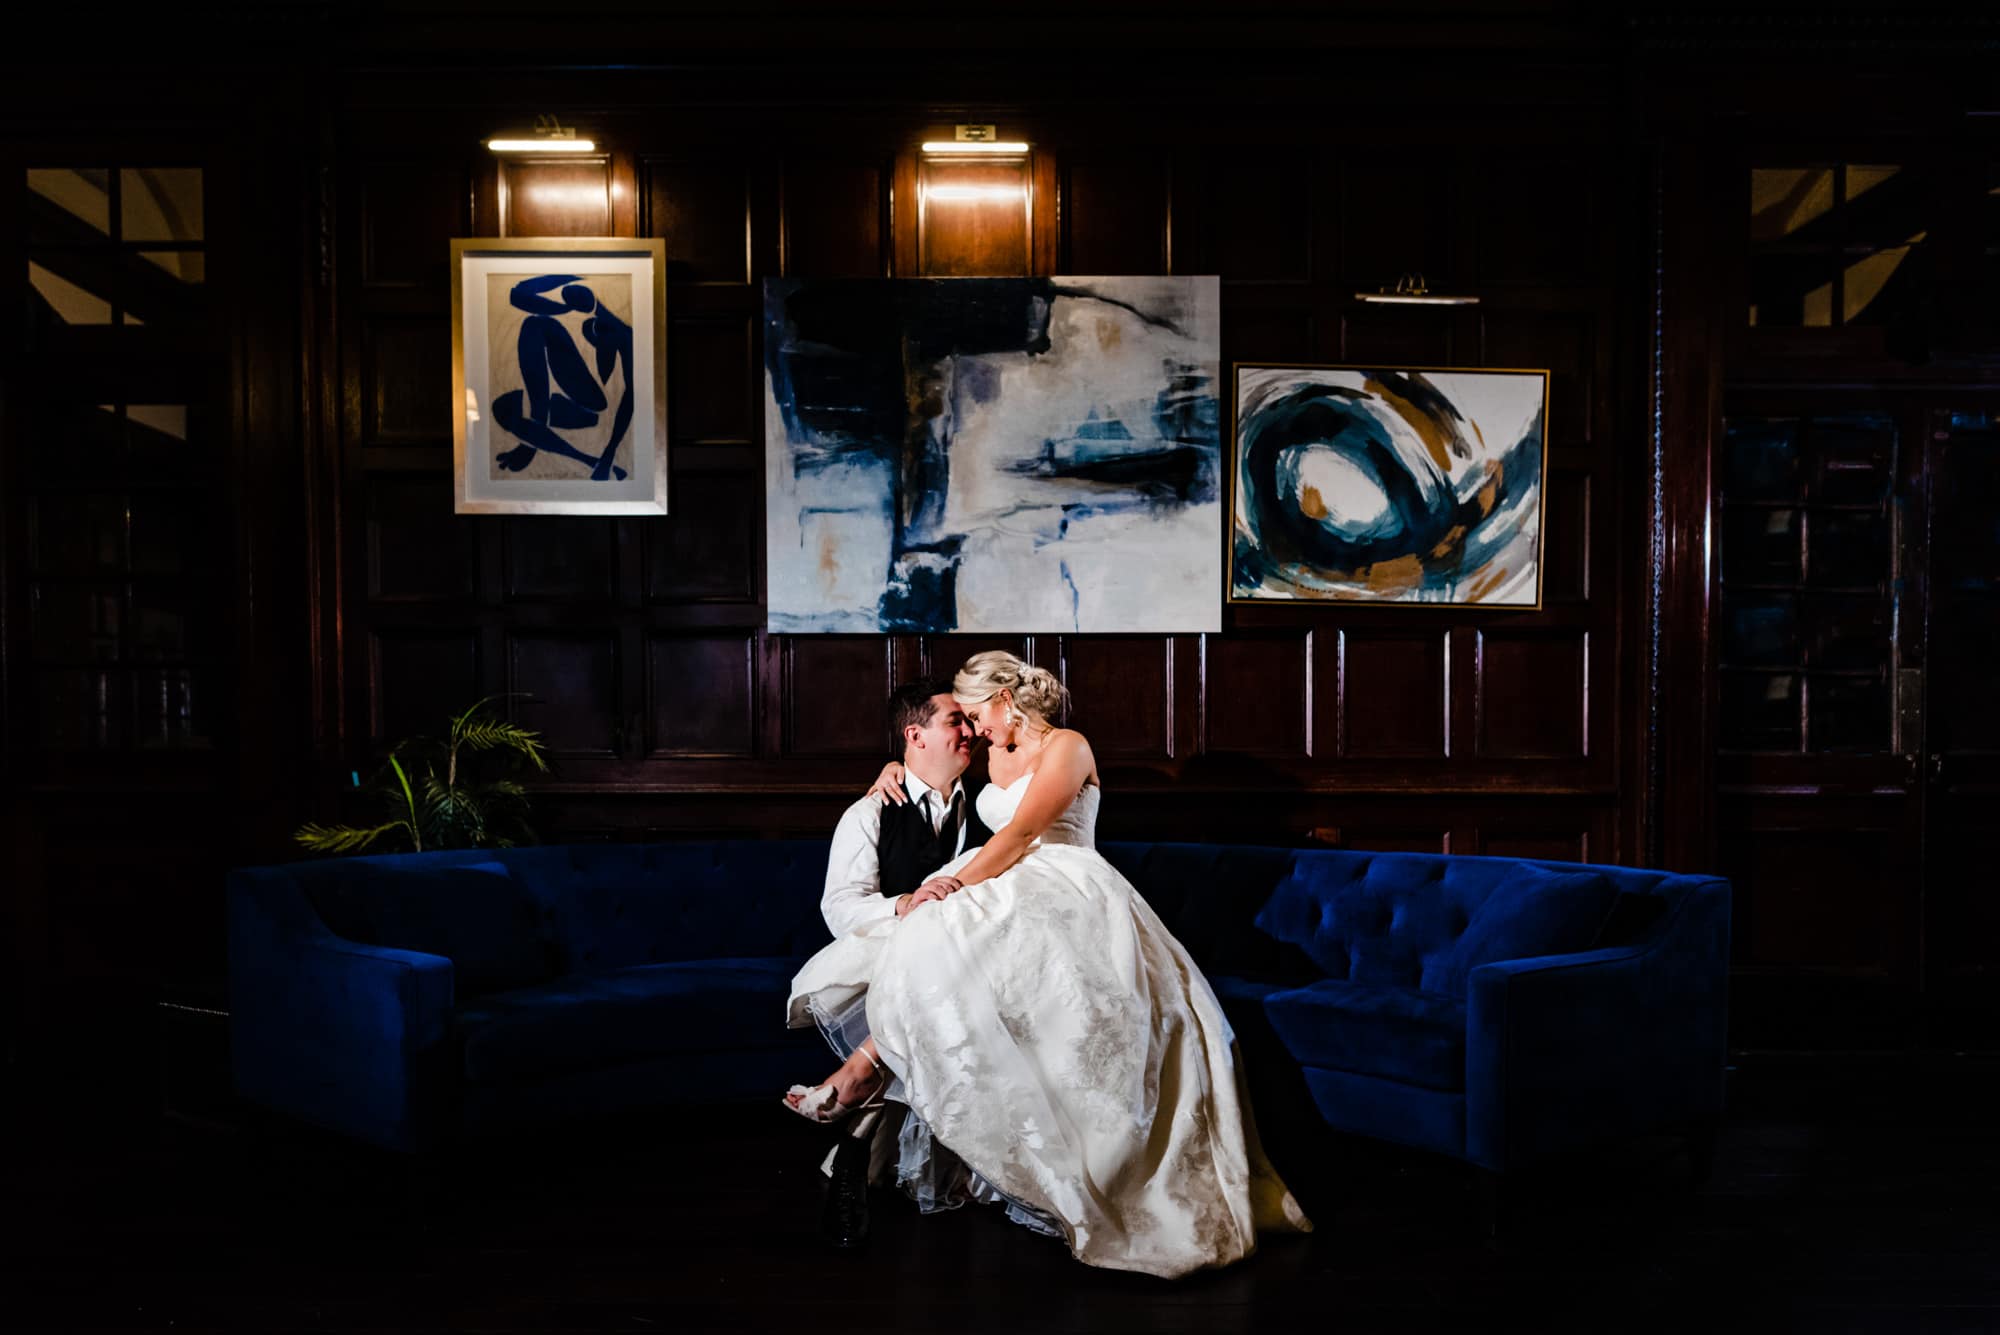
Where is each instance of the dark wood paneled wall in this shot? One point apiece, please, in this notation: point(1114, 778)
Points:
point(638, 647)
point(1584, 175)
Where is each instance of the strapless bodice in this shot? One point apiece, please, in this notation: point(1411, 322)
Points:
point(1077, 825)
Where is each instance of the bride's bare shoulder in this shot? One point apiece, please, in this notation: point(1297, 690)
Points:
point(1073, 747)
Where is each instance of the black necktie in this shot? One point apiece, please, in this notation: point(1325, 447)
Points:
point(948, 827)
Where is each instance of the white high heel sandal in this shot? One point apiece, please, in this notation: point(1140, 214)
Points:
point(813, 1100)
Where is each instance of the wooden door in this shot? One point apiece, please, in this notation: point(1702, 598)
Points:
point(1819, 809)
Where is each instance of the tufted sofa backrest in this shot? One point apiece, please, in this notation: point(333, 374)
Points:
point(1411, 918)
point(1271, 913)
point(598, 907)
point(613, 906)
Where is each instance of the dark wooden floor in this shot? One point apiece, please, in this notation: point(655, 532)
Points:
point(1849, 1199)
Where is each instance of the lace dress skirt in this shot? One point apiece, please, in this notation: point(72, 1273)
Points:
point(1049, 1033)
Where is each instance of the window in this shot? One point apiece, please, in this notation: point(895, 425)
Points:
point(1808, 583)
point(1831, 245)
point(124, 541)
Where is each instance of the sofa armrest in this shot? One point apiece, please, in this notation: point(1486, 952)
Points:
point(1567, 1050)
point(346, 1036)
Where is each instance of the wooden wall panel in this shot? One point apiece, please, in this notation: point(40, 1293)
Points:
point(1394, 218)
point(701, 207)
point(1394, 697)
point(406, 377)
point(409, 213)
point(707, 548)
point(1395, 839)
point(419, 678)
point(712, 392)
point(1267, 336)
point(1530, 697)
point(1399, 336)
point(555, 197)
point(1551, 845)
point(1566, 538)
point(557, 558)
point(565, 686)
point(941, 655)
point(972, 218)
point(418, 551)
point(1122, 693)
point(836, 690)
point(1271, 242)
point(702, 694)
point(1115, 215)
point(1256, 695)
point(1565, 345)
point(1535, 219)
point(835, 220)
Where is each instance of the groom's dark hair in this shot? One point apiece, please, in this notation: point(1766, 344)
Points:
point(913, 706)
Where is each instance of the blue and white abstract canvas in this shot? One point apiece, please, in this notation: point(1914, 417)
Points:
point(1388, 485)
point(993, 454)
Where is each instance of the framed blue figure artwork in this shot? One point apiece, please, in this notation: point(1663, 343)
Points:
point(993, 454)
point(1393, 486)
point(558, 359)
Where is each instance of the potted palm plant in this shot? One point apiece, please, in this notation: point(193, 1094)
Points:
point(459, 790)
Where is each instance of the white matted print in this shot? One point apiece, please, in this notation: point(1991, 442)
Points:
point(559, 376)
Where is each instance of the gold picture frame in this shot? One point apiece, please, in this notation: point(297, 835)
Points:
point(557, 409)
point(1314, 488)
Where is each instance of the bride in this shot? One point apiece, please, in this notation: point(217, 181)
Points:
point(1042, 1023)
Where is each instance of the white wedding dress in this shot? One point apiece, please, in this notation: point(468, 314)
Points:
point(1045, 1027)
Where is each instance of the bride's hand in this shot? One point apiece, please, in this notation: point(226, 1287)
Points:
point(937, 887)
point(889, 784)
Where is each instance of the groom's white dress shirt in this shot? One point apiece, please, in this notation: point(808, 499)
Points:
point(853, 896)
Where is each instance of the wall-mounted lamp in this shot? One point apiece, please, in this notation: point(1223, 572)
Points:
point(550, 136)
point(1412, 290)
point(979, 139)
point(943, 147)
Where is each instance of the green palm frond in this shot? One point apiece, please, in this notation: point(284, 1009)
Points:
point(500, 735)
point(345, 838)
point(502, 789)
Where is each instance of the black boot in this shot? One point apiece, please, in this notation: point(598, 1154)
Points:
point(844, 1215)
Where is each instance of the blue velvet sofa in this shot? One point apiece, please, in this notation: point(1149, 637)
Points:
point(1491, 1009)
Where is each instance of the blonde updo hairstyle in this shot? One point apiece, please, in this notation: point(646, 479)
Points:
point(1035, 690)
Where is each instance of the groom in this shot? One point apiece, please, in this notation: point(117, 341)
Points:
point(882, 851)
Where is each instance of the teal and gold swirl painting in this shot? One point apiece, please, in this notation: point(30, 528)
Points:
point(1388, 485)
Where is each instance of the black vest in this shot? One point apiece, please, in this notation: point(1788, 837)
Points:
point(909, 850)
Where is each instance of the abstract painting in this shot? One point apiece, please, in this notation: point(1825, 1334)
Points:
point(559, 376)
point(1388, 485)
point(993, 454)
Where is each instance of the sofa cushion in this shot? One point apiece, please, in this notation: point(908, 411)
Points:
point(1392, 1033)
point(619, 906)
point(1404, 919)
point(1535, 913)
point(587, 1020)
point(475, 915)
point(1208, 896)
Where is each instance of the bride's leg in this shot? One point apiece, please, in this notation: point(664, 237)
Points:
point(861, 1076)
